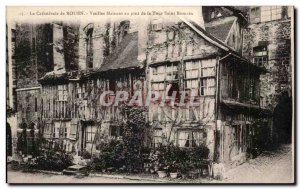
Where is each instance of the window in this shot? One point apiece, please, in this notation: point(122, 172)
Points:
point(260, 54)
point(269, 13)
point(157, 137)
point(116, 132)
point(255, 14)
point(80, 90)
point(90, 133)
point(290, 11)
point(73, 131)
point(62, 93)
point(48, 130)
point(164, 75)
point(190, 138)
point(265, 13)
point(200, 73)
point(157, 24)
point(57, 126)
point(207, 86)
point(67, 129)
point(125, 25)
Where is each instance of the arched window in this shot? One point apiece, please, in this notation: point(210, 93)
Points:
point(89, 48)
point(89, 45)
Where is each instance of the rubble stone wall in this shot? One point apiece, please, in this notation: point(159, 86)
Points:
point(277, 36)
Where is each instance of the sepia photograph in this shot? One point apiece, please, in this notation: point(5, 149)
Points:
point(150, 95)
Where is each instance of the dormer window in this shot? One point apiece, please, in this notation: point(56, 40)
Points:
point(219, 15)
point(157, 25)
point(125, 26)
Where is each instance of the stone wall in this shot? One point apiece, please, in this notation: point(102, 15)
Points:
point(277, 36)
point(29, 110)
point(33, 53)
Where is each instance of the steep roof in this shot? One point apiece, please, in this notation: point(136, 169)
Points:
point(220, 28)
point(124, 55)
point(213, 40)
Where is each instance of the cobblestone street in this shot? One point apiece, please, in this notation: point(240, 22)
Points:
point(270, 167)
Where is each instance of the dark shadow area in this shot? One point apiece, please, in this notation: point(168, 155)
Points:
point(8, 140)
point(282, 119)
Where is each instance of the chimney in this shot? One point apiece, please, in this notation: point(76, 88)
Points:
point(82, 50)
point(58, 48)
point(142, 27)
point(196, 18)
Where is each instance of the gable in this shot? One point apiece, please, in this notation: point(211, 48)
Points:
point(176, 43)
point(220, 28)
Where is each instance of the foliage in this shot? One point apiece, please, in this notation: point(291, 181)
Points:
point(126, 154)
point(52, 161)
point(86, 155)
point(198, 154)
point(133, 138)
point(10, 112)
point(173, 159)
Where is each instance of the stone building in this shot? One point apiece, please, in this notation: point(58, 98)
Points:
point(203, 58)
point(268, 43)
point(37, 47)
point(11, 101)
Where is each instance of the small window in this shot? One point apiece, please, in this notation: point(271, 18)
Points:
point(67, 130)
point(260, 55)
point(116, 132)
point(62, 93)
point(57, 126)
point(80, 90)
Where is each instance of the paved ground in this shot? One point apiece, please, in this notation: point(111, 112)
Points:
point(19, 177)
point(270, 167)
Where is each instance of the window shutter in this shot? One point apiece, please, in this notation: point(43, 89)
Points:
point(73, 130)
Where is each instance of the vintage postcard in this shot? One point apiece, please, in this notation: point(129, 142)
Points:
point(150, 94)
